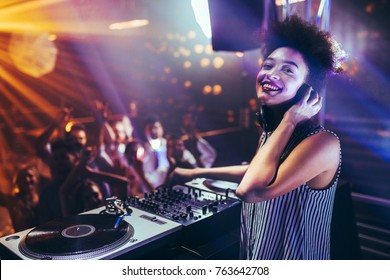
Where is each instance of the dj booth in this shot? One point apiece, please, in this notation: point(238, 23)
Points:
point(197, 220)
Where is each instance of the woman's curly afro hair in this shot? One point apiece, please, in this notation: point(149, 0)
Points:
point(315, 45)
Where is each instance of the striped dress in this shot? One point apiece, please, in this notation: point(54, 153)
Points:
point(292, 226)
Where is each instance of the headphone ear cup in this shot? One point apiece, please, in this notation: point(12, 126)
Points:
point(301, 92)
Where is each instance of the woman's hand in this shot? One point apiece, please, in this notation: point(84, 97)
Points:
point(180, 175)
point(306, 108)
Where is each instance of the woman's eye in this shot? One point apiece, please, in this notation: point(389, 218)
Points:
point(267, 66)
point(288, 70)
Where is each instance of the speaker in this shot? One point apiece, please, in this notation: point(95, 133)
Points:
point(236, 24)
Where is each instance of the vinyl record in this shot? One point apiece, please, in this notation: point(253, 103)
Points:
point(76, 237)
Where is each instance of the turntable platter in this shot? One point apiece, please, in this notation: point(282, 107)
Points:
point(76, 237)
point(217, 185)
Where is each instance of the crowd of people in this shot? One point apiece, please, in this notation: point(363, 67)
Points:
point(83, 171)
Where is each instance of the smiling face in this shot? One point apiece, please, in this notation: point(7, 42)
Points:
point(155, 130)
point(80, 135)
point(281, 75)
point(27, 180)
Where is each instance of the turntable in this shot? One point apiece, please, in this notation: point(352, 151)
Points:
point(217, 186)
point(90, 235)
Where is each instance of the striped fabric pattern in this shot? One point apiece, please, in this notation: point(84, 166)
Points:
point(292, 226)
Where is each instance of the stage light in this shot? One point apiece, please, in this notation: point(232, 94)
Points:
point(187, 84)
point(34, 54)
point(283, 2)
point(187, 64)
point(207, 89)
point(217, 89)
point(202, 15)
point(128, 24)
point(198, 48)
point(218, 62)
point(204, 62)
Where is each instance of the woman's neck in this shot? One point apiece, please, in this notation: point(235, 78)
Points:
point(273, 115)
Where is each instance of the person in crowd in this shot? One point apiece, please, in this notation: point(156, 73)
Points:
point(177, 153)
point(139, 183)
point(112, 148)
point(70, 161)
point(156, 162)
point(204, 153)
point(58, 128)
point(22, 203)
point(288, 188)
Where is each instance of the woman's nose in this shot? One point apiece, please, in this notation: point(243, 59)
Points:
point(273, 74)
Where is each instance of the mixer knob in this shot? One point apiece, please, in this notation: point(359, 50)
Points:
point(204, 209)
point(188, 208)
point(175, 217)
point(191, 214)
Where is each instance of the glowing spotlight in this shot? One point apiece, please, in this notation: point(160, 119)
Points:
point(202, 15)
point(52, 37)
point(187, 84)
point(68, 126)
point(283, 2)
point(198, 48)
point(184, 52)
point(209, 49)
point(207, 89)
point(187, 64)
point(217, 89)
point(239, 54)
point(33, 53)
point(128, 24)
point(218, 62)
point(191, 34)
point(204, 62)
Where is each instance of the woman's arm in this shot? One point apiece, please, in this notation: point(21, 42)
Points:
point(67, 189)
point(110, 178)
point(314, 161)
point(226, 173)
